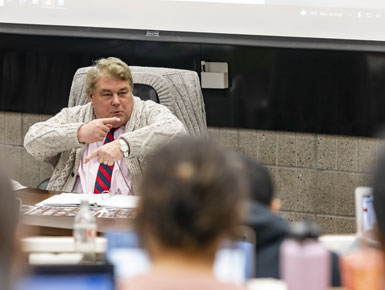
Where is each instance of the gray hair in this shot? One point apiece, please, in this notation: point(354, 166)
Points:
point(111, 67)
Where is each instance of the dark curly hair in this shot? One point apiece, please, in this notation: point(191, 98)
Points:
point(378, 184)
point(192, 194)
point(261, 183)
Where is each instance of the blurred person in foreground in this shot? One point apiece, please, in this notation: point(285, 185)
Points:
point(270, 229)
point(378, 185)
point(364, 268)
point(9, 245)
point(192, 199)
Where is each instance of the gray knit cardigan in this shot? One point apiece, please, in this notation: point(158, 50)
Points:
point(179, 90)
point(55, 140)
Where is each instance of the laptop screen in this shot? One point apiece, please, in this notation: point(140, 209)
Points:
point(365, 215)
point(234, 262)
point(73, 277)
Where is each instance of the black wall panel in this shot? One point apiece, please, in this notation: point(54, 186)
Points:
point(303, 90)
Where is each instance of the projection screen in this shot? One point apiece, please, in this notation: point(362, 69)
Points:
point(320, 19)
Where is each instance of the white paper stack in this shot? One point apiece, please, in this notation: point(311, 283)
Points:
point(44, 244)
point(102, 200)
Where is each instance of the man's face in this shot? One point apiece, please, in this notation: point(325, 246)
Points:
point(112, 98)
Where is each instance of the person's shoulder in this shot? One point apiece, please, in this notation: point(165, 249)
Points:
point(230, 286)
point(77, 109)
point(74, 114)
point(139, 282)
point(151, 281)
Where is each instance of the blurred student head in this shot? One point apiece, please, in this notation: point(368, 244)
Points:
point(261, 184)
point(192, 197)
point(8, 227)
point(378, 184)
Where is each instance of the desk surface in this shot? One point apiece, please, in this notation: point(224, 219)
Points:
point(58, 225)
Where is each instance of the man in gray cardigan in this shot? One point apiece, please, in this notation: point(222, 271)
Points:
point(114, 128)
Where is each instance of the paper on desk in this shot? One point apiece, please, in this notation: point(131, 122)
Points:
point(103, 200)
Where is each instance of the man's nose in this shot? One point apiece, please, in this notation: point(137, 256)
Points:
point(115, 99)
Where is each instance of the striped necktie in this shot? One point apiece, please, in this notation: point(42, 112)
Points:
point(103, 178)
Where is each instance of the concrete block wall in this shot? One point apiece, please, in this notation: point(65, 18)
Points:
point(21, 165)
point(314, 175)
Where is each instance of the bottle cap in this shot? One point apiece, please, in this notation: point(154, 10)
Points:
point(84, 201)
point(305, 230)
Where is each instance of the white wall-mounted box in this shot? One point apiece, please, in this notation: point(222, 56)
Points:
point(214, 75)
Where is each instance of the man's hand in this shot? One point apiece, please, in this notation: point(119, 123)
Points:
point(108, 153)
point(96, 130)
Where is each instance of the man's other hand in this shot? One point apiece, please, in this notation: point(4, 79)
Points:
point(108, 153)
point(96, 130)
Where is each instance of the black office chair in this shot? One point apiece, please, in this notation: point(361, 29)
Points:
point(145, 92)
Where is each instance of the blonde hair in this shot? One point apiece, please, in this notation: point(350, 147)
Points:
point(111, 67)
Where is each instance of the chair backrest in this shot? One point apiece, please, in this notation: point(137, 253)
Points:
point(177, 89)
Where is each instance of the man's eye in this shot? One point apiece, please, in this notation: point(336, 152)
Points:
point(106, 95)
point(123, 93)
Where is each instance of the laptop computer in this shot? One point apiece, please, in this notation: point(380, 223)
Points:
point(64, 277)
point(234, 261)
point(365, 215)
point(365, 225)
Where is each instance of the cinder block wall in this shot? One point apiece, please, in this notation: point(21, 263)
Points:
point(314, 175)
point(21, 166)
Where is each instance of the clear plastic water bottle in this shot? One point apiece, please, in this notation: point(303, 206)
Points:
point(84, 233)
point(304, 261)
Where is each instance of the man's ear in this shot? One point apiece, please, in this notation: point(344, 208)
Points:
point(275, 205)
point(90, 98)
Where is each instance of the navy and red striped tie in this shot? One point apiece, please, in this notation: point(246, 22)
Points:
point(103, 178)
